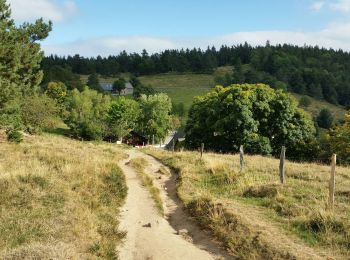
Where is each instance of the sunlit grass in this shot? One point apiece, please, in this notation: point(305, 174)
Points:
point(300, 206)
point(139, 164)
point(59, 199)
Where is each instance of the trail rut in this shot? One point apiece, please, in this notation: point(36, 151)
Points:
point(152, 236)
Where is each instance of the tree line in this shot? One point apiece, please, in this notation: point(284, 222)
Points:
point(317, 72)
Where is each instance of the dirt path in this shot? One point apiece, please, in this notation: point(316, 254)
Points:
point(151, 236)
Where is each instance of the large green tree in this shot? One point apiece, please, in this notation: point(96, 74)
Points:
point(88, 111)
point(119, 85)
point(155, 118)
point(94, 82)
point(123, 117)
point(20, 57)
point(253, 115)
point(20, 54)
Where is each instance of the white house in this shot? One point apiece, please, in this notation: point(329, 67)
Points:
point(108, 87)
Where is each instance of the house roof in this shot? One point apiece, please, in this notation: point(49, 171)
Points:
point(109, 86)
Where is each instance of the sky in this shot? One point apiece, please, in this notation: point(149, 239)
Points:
point(107, 27)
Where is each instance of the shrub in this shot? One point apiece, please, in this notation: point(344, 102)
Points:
point(305, 101)
point(325, 119)
point(39, 113)
point(14, 136)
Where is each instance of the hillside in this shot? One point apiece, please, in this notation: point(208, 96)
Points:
point(59, 199)
point(316, 106)
point(183, 87)
point(254, 215)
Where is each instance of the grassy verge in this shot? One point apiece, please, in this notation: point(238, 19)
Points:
point(139, 165)
point(60, 199)
point(231, 203)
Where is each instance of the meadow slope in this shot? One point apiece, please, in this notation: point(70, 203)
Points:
point(255, 216)
point(60, 199)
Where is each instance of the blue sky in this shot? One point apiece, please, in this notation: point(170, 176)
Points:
point(104, 27)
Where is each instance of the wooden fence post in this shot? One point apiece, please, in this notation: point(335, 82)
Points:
point(202, 149)
point(173, 145)
point(282, 165)
point(332, 182)
point(152, 139)
point(241, 157)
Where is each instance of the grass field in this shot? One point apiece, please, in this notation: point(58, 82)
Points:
point(181, 87)
point(254, 215)
point(59, 199)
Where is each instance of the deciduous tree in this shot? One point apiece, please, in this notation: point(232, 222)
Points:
point(253, 115)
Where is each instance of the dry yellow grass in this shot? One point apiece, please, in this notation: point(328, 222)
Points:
point(59, 198)
point(139, 164)
point(297, 209)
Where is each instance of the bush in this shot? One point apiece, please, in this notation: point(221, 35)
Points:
point(305, 101)
point(14, 136)
point(325, 119)
point(39, 113)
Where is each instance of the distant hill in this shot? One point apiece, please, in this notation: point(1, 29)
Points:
point(309, 70)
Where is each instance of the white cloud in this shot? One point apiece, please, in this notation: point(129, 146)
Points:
point(317, 6)
point(341, 5)
point(111, 46)
point(336, 36)
point(29, 10)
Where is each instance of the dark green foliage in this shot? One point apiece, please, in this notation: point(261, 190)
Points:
point(94, 82)
point(14, 135)
point(140, 89)
point(253, 115)
point(119, 85)
point(62, 74)
point(305, 101)
point(20, 58)
point(325, 119)
point(178, 109)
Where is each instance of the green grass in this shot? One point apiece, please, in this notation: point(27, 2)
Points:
point(183, 87)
